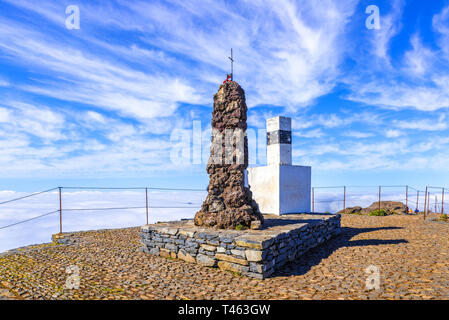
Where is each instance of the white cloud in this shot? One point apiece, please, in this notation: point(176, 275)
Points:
point(418, 60)
point(440, 24)
point(399, 95)
point(95, 116)
point(258, 119)
point(399, 154)
point(357, 134)
point(424, 124)
point(287, 46)
point(5, 115)
point(390, 133)
point(94, 80)
point(316, 133)
point(287, 54)
point(38, 121)
point(420, 80)
point(390, 24)
point(298, 45)
point(37, 141)
point(4, 83)
point(333, 120)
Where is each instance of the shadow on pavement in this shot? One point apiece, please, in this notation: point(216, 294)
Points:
point(314, 256)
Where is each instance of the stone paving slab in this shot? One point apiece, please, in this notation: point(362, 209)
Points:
point(412, 256)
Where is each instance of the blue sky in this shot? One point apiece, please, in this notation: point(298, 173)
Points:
point(99, 105)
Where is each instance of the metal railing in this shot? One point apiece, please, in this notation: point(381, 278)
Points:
point(405, 196)
point(439, 204)
point(61, 209)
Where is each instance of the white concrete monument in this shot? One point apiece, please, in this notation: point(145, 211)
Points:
point(280, 187)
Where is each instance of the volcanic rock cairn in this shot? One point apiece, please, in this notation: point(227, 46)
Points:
point(229, 202)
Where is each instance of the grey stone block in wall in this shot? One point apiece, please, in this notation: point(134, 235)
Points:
point(206, 260)
point(221, 249)
point(172, 247)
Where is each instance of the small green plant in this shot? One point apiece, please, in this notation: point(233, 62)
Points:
point(240, 227)
point(380, 213)
point(112, 290)
point(444, 217)
point(351, 211)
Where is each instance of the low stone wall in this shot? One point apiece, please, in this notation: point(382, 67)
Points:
point(254, 253)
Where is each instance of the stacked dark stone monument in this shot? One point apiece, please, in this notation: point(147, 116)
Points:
point(226, 232)
point(229, 203)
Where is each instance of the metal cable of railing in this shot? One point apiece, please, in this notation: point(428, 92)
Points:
point(328, 201)
point(193, 207)
point(133, 188)
point(147, 206)
point(128, 208)
point(333, 187)
point(410, 187)
point(100, 209)
point(106, 188)
point(27, 220)
point(175, 189)
point(27, 196)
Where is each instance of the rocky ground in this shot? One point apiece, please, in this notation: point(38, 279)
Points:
point(390, 207)
point(412, 257)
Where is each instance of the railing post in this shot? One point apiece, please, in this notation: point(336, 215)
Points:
point(379, 199)
point(442, 202)
point(313, 199)
point(146, 196)
point(406, 199)
point(60, 209)
point(417, 200)
point(344, 199)
point(425, 204)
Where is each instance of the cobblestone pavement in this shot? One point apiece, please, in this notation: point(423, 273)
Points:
point(412, 257)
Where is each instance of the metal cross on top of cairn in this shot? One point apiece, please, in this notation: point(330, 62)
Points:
point(230, 76)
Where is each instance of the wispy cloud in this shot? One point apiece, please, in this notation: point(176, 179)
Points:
point(440, 24)
point(419, 79)
point(86, 78)
point(332, 120)
point(419, 60)
point(390, 25)
point(287, 46)
point(104, 99)
point(358, 134)
point(439, 124)
point(4, 82)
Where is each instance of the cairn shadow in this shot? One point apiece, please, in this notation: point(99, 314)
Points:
point(314, 256)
